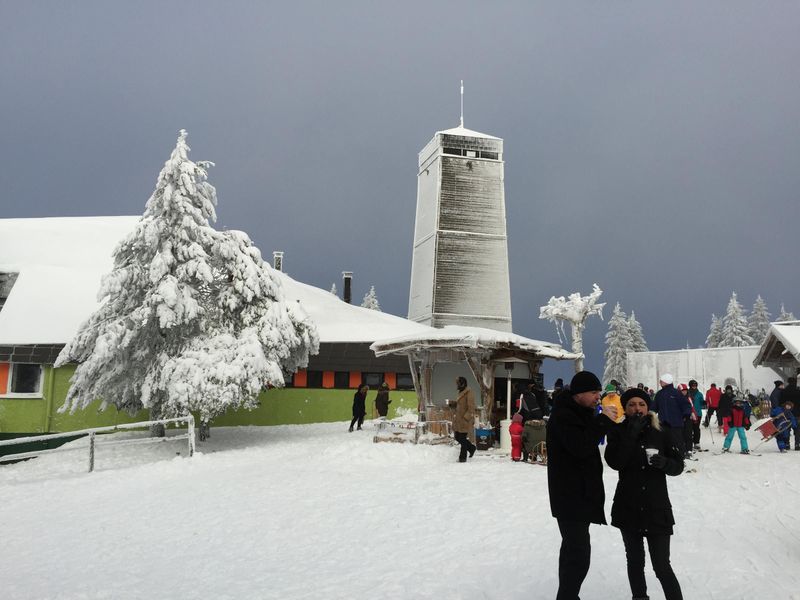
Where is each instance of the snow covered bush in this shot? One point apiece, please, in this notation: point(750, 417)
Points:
point(191, 319)
point(618, 344)
point(758, 321)
point(714, 333)
point(371, 300)
point(785, 315)
point(734, 325)
point(638, 343)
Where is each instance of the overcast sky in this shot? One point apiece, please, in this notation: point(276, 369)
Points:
point(653, 148)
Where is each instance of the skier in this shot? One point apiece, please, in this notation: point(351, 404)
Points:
point(697, 402)
point(738, 421)
point(688, 421)
point(724, 408)
point(641, 507)
point(784, 411)
point(382, 401)
point(575, 476)
point(359, 406)
point(712, 401)
point(515, 429)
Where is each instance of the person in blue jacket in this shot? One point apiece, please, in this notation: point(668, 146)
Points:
point(673, 411)
point(786, 411)
point(775, 396)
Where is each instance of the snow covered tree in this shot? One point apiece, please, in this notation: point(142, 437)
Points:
point(334, 291)
point(618, 344)
point(638, 343)
point(191, 319)
point(734, 325)
point(715, 332)
point(758, 321)
point(371, 300)
point(574, 309)
point(785, 316)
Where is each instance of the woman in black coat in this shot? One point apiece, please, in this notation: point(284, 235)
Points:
point(359, 406)
point(641, 507)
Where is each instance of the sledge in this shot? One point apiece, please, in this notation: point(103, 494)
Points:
point(774, 426)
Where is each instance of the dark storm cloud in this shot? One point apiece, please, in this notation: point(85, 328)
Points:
point(650, 148)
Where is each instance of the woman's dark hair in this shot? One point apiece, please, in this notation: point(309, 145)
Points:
point(462, 381)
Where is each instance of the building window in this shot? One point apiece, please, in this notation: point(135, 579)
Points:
point(454, 151)
point(373, 380)
point(491, 155)
point(405, 381)
point(25, 380)
point(341, 380)
point(314, 379)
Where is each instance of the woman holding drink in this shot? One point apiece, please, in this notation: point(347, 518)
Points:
point(642, 454)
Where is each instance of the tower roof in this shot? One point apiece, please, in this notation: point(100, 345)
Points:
point(463, 131)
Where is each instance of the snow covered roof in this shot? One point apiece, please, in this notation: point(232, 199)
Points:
point(461, 337)
point(781, 347)
point(60, 262)
point(460, 130)
point(338, 321)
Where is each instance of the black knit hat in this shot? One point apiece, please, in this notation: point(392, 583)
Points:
point(635, 393)
point(585, 381)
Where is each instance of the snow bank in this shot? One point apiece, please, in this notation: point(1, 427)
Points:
point(312, 511)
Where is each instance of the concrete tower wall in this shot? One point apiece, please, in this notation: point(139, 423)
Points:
point(459, 272)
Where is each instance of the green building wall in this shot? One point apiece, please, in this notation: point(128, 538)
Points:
point(282, 406)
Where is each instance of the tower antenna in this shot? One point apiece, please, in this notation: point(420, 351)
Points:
point(462, 103)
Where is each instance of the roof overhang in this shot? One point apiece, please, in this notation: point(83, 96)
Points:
point(781, 347)
point(499, 345)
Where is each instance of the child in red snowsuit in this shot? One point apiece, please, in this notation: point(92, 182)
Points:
point(515, 429)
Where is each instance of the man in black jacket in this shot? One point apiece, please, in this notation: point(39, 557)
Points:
point(791, 393)
point(575, 475)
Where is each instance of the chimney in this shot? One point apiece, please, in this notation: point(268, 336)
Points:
point(277, 260)
point(348, 287)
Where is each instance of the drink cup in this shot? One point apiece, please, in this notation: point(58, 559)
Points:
point(651, 452)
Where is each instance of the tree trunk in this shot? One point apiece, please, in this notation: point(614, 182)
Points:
point(577, 345)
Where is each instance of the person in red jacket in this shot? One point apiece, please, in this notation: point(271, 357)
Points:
point(712, 401)
point(516, 429)
point(738, 421)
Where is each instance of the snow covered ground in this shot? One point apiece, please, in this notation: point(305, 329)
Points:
point(311, 511)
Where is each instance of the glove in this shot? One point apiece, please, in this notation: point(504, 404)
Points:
point(635, 426)
point(658, 462)
point(747, 426)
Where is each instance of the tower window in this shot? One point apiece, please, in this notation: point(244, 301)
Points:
point(454, 151)
point(491, 155)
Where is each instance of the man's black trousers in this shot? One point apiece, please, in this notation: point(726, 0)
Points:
point(467, 447)
point(574, 558)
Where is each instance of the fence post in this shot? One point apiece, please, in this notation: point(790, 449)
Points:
point(91, 452)
point(190, 431)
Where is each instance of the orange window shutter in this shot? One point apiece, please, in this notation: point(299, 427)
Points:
point(391, 380)
point(4, 378)
point(355, 379)
point(301, 378)
point(327, 379)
